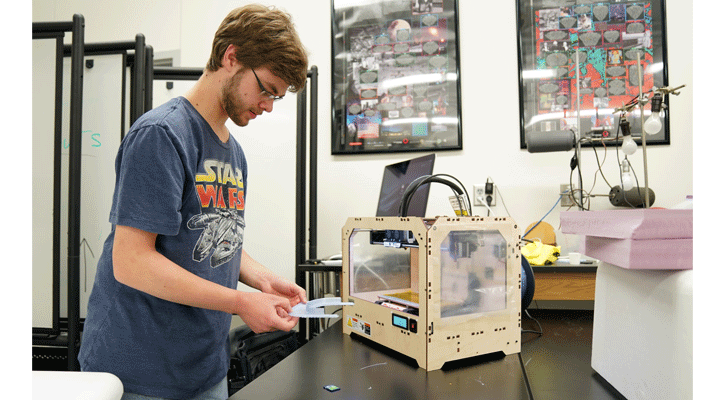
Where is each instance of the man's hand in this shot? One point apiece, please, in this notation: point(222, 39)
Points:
point(254, 274)
point(287, 289)
point(270, 309)
point(264, 312)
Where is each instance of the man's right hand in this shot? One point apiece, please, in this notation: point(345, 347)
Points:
point(263, 312)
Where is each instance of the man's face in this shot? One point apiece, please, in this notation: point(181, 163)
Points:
point(249, 92)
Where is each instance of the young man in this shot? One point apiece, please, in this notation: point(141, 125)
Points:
point(160, 311)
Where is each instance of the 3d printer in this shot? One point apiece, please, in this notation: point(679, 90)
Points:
point(434, 289)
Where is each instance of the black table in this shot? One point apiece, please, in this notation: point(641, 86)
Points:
point(557, 365)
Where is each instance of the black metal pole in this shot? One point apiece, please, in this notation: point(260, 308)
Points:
point(137, 81)
point(74, 192)
point(300, 254)
point(103, 48)
point(300, 200)
point(177, 73)
point(149, 79)
point(40, 29)
point(57, 178)
point(313, 163)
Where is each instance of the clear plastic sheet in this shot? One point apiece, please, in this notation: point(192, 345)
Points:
point(316, 308)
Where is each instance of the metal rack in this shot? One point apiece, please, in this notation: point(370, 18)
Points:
point(67, 333)
point(306, 223)
point(57, 30)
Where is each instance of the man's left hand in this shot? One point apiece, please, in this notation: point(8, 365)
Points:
point(287, 289)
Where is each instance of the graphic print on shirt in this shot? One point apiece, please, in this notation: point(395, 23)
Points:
point(221, 194)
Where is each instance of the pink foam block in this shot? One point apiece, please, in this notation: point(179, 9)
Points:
point(635, 239)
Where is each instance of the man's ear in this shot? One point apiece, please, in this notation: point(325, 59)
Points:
point(230, 60)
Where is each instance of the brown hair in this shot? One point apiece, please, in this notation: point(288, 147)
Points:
point(264, 37)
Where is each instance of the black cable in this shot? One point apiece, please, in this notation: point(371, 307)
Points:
point(573, 196)
point(571, 192)
point(574, 164)
point(521, 361)
point(425, 179)
point(526, 377)
point(541, 330)
point(412, 188)
point(462, 186)
point(599, 163)
point(488, 202)
point(433, 178)
point(461, 190)
point(581, 179)
point(460, 205)
point(328, 319)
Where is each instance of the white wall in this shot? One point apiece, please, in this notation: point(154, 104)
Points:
point(349, 185)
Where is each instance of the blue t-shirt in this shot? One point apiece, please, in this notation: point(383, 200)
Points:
point(175, 178)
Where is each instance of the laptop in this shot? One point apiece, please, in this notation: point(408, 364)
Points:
point(396, 178)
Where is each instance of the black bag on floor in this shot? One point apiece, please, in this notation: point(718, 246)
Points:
point(253, 353)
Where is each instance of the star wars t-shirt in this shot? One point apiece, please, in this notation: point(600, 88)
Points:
point(175, 178)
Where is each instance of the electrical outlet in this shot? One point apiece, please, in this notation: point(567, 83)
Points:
point(480, 195)
point(566, 195)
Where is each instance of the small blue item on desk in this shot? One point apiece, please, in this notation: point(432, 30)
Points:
point(331, 388)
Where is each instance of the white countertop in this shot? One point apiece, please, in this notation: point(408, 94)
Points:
point(65, 385)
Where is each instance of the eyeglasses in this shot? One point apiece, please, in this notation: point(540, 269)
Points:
point(266, 93)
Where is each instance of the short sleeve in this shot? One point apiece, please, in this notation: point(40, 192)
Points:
point(149, 182)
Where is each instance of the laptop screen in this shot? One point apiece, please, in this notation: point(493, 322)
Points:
point(396, 178)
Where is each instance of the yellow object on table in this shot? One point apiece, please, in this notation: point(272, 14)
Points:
point(538, 253)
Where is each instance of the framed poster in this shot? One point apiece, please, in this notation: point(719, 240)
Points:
point(608, 39)
point(395, 76)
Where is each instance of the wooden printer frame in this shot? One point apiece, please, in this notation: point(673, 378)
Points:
point(464, 285)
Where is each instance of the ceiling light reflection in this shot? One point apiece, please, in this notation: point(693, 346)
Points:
point(538, 73)
point(421, 120)
point(414, 79)
point(584, 113)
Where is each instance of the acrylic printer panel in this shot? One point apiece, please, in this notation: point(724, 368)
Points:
point(380, 271)
point(473, 273)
